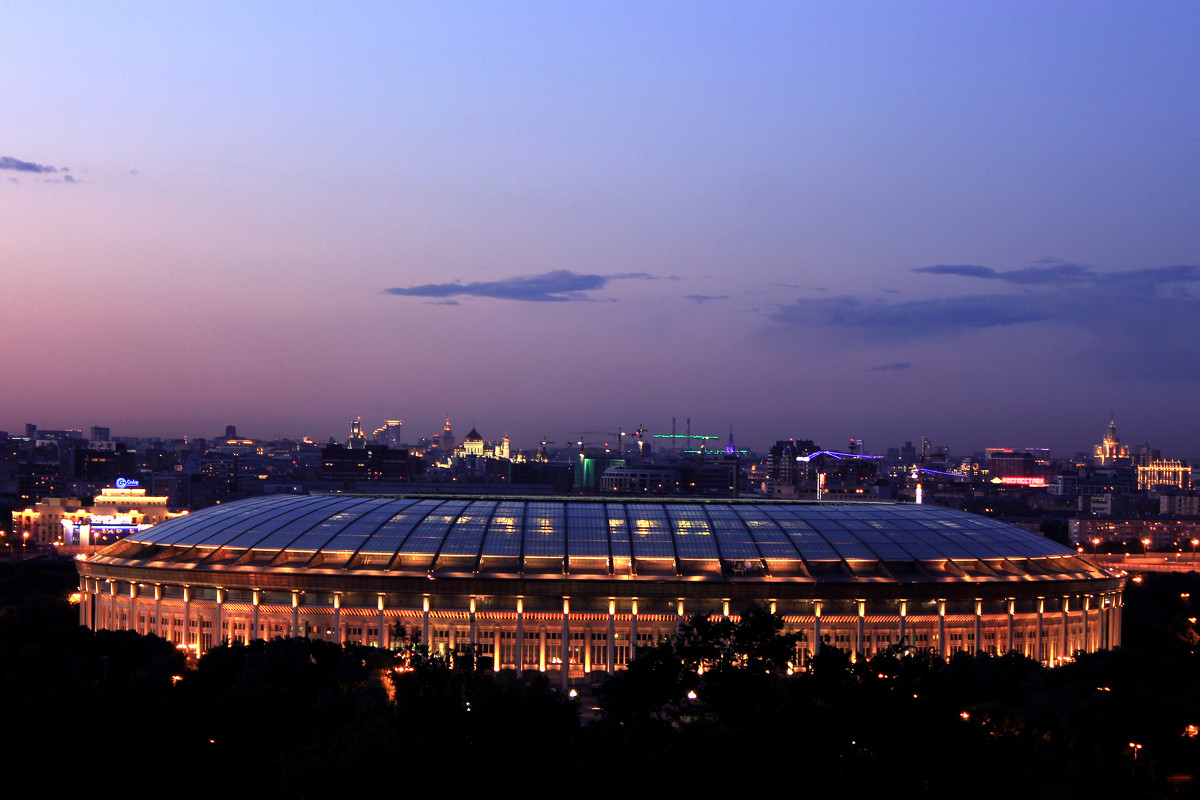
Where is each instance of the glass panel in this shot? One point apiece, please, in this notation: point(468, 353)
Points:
point(733, 540)
point(693, 534)
point(544, 530)
point(426, 538)
point(467, 535)
point(506, 530)
point(587, 530)
point(650, 532)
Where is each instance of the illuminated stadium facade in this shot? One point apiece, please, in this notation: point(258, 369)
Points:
point(517, 579)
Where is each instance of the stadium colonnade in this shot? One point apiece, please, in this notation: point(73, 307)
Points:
point(533, 583)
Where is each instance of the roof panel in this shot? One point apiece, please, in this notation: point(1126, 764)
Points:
point(591, 529)
point(587, 531)
point(545, 530)
point(692, 531)
point(650, 532)
point(506, 531)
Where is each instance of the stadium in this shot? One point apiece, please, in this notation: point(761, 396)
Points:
point(531, 583)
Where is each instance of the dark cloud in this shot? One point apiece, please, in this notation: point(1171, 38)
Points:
point(8, 162)
point(1056, 273)
point(911, 319)
point(897, 365)
point(557, 286)
point(968, 270)
point(705, 298)
point(1140, 322)
point(442, 303)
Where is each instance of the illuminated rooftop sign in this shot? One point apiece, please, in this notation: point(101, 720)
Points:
point(1020, 481)
point(126, 483)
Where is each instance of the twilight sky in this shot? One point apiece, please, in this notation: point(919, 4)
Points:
point(976, 222)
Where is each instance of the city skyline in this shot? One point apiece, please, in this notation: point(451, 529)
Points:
point(411, 437)
point(974, 223)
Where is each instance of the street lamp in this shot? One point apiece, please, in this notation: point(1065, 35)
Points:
point(1145, 546)
point(1194, 543)
point(1095, 545)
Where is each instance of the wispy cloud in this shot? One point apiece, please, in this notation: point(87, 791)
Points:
point(895, 366)
point(8, 162)
point(556, 286)
point(705, 298)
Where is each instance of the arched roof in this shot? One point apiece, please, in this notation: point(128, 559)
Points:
point(602, 538)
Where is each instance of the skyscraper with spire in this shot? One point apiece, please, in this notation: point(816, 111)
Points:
point(1110, 451)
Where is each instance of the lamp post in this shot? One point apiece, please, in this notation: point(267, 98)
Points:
point(1194, 543)
point(1145, 546)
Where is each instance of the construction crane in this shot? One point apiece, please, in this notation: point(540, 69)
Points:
point(618, 435)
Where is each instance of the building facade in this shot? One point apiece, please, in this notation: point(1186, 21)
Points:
point(571, 586)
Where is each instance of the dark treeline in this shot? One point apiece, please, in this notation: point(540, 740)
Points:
point(713, 709)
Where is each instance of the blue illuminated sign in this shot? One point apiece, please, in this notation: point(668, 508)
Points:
point(126, 483)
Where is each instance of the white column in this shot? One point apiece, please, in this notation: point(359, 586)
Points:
point(1087, 609)
point(1012, 610)
point(158, 610)
point(379, 638)
point(519, 656)
point(566, 643)
point(1066, 627)
point(256, 600)
point(1104, 632)
point(187, 617)
point(816, 627)
point(424, 622)
point(133, 594)
point(472, 622)
point(942, 649)
point(862, 614)
point(903, 617)
point(1041, 608)
point(633, 640)
point(220, 638)
point(612, 632)
point(84, 600)
point(337, 617)
point(978, 625)
point(295, 615)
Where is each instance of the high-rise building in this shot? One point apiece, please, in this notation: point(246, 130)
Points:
point(358, 439)
point(390, 433)
point(1110, 452)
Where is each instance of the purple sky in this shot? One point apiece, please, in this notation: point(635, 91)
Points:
point(975, 222)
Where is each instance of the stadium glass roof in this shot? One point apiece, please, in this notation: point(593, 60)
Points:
point(591, 536)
